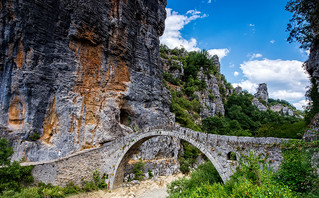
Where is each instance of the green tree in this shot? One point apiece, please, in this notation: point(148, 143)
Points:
point(296, 170)
point(304, 19)
point(12, 175)
point(5, 152)
point(313, 96)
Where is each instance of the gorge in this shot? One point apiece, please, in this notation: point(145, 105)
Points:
point(90, 79)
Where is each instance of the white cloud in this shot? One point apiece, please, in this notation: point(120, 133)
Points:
point(272, 41)
point(286, 79)
point(252, 25)
point(287, 94)
point(209, 1)
point(254, 56)
point(172, 36)
point(174, 23)
point(236, 73)
point(221, 53)
point(247, 85)
point(301, 104)
point(289, 72)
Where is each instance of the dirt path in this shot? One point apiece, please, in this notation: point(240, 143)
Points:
point(154, 188)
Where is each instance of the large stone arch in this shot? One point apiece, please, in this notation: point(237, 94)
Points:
point(110, 158)
point(117, 178)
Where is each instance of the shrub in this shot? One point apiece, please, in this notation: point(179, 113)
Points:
point(138, 170)
point(89, 186)
point(204, 174)
point(71, 189)
point(150, 174)
point(25, 193)
point(34, 136)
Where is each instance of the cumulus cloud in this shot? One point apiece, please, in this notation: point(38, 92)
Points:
point(172, 36)
point(221, 53)
point(286, 79)
point(272, 41)
point(174, 23)
point(236, 73)
point(209, 1)
point(252, 25)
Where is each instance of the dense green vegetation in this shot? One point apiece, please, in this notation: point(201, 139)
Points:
point(242, 118)
point(297, 171)
point(313, 96)
point(204, 174)
point(254, 177)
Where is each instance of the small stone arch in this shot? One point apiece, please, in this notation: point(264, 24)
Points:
point(117, 178)
point(232, 156)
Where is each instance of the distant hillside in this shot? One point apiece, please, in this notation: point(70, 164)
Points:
point(203, 100)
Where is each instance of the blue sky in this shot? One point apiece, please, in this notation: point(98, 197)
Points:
point(250, 38)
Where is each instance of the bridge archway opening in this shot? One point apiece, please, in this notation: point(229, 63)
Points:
point(123, 161)
point(232, 156)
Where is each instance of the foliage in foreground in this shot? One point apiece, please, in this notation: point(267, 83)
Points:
point(254, 178)
point(204, 174)
point(12, 175)
point(297, 170)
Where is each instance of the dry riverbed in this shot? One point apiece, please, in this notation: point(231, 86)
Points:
point(153, 188)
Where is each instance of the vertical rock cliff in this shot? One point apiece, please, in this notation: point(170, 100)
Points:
point(79, 73)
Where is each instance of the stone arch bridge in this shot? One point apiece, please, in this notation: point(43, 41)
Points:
point(112, 157)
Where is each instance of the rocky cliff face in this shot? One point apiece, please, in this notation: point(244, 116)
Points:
point(79, 73)
point(212, 97)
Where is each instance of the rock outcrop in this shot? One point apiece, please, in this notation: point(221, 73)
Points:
point(239, 90)
point(213, 97)
point(79, 73)
point(259, 105)
point(279, 108)
point(262, 92)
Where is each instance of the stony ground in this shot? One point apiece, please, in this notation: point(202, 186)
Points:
point(155, 188)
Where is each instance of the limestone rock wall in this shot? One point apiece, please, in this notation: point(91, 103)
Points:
point(79, 73)
point(211, 99)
